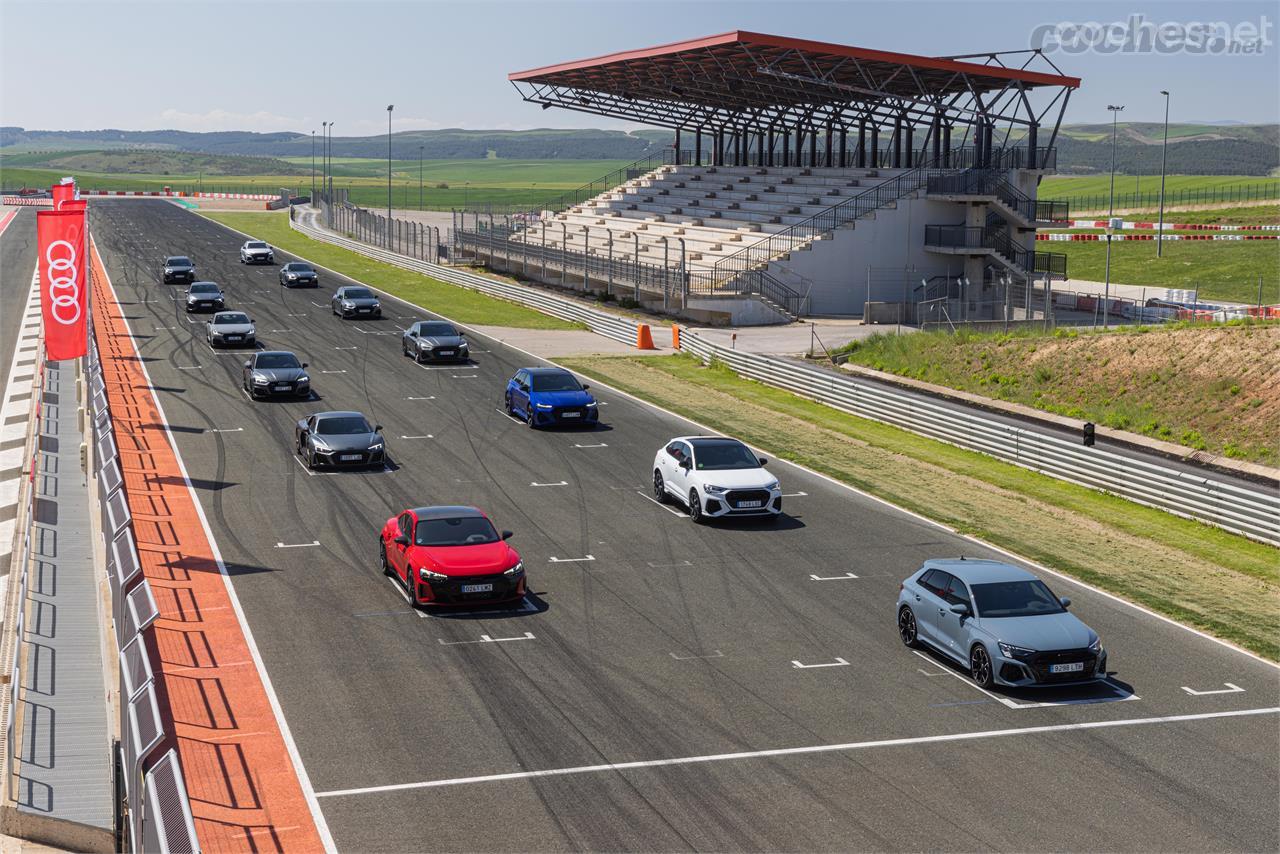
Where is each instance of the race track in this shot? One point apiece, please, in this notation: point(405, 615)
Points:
point(648, 638)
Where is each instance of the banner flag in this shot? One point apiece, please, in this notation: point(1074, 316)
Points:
point(64, 295)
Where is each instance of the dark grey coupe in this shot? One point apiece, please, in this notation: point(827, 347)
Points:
point(299, 274)
point(339, 439)
point(434, 340)
point(178, 268)
point(230, 329)
point(205, 296)
point(276, 372)
point(355, 301)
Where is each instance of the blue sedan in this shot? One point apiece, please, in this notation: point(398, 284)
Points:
point(549, 396)
point(1000, 621)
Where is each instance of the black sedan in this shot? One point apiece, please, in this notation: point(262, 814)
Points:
point(178, 268)
point(339, 439)
point(434, 341)
point(276, 372)
point(355, 301)
point(299, 274)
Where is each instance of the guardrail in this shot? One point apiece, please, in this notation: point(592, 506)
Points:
point(155, 813)
point(601, 322)
point(1253, 513)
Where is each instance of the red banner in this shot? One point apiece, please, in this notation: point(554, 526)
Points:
point(60, 238)
point(62, 193)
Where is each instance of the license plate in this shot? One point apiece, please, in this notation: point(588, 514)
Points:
point(746, 505)
point(445, 353)
point(233, 337)
point(363, 310)
point(1070, 667)
point(281, 386)
point(571, 415)
point(349, 457)
point(477, 588)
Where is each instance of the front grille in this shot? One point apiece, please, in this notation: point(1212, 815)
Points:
point(437, 351)
point(564, 412)
point(338, 457)
point(450, 592)
point(1040, 662)
point(736, 496)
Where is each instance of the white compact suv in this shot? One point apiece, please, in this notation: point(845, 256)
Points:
point(256, 252)
point(715, 477)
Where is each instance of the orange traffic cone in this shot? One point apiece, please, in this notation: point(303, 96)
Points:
point(644, 338)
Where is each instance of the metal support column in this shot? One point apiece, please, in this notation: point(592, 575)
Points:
point(897, 142)
point(1031, 145)
point(862, 144)
point(770, 163)
point(813, 147)
point(875, 146)
point(946, 145)
point(677, 148)
point(910, 146)
point(936, 135)
point(828, 162)
point(697, 147)
point(786, 148)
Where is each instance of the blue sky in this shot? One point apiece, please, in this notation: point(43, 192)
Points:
point(287, 65)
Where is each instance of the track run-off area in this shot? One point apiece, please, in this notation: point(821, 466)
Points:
point(665, 686)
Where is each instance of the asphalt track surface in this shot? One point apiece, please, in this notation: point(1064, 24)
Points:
point(647, 638)
point(17, 263)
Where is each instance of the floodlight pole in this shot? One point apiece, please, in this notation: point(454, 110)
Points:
point(420, 177)
point(1164, 151)
point(313, 167)
point(390, 107)
point(1111, 212)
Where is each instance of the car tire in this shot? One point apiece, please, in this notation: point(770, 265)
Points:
point(529, 419)
point(382, 556)
point(908, 629)
point(659, 488)
point(980, 667)
point(311, 460)
point(695, 508)
point(417, 357)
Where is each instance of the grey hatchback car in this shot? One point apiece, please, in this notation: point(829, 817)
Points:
point(1000, 621)
point(355, 301)
point(434, 340)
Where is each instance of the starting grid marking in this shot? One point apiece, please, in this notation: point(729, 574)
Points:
point(488, 639)
point(1121, 694)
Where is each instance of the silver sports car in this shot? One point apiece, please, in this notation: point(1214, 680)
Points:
point(434, 340)
point(272, 372)
point(355, 301)
point(339, 439)
point(230, 328)
point(204, 296)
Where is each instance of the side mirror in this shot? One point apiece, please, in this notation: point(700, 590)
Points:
point(412, 334)
point(1066, 601)
point(686, 464)
point(585, 386)
point(960, 608)
point(763, 461)
point(377, 428)
point(401, 540)
point(246, 365)
point(506, 535)
point(304, 364)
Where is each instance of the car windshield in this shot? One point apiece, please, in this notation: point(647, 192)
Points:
point(277, 360)
point(204, 289)
point(300, 268)
point(257, 244)
point(230, 318)
point(719, 456)
point(357, 293)
point(558, 381)
point(462, 531)
point(437, 329)
point(179, 261)
point(1015, 599)
point(343, 425)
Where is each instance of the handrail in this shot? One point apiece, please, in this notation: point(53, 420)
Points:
point(991, 182)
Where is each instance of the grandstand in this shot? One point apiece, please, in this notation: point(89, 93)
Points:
point(804, 178)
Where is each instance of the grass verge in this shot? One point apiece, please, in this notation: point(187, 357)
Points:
point(460, 304)
point(1250, 215)
point(1218, 582)
point(1220, 270)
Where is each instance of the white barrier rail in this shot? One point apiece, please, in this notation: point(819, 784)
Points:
point(1255, 513)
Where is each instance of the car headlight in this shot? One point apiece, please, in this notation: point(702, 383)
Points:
point(715, 490)
point(1008, 650)
point(543, 405)
point(260, 379)
point(304, 379)
point(377, 446)
point(427, 575)
point(516, 570)
point(348, 304)
point(1096, 646)
point(319, 443)
point(591, 404)
point(771, 486)
point(291, 275)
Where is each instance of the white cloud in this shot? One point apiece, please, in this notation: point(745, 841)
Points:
point(223, 120)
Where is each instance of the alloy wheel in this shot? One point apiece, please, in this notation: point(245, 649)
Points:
point(659, 488)
point(907, 627)
point(980, 666)
point(695, 507)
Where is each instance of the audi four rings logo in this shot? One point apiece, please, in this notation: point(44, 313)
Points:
point(64, 281)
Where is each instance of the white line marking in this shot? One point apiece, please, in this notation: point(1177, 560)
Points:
point(794, 494)
point(1122, 694)
point(400, 589)
point(279, 330)
point(601, 445)
point(228, 430)
point(298, 545)
point(428, 436)
point(487, 639)
point(614, 767)
point(308, 791)
point(505, 415)
point(428, 397)
point(839, 662)
point(844, 577)
point(670, 565)
point(464, 376)
point(570, 559)
point(558, 483)
point(718, 654)
point(652, 500)
point(302, 314)
point(334, 372)
point(353, 347)
point(1230, 689)
point(190, 367)
point(317, 304)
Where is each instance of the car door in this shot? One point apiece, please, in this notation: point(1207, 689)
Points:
point(337, 296)
point(398, 553)
point(952, 628)
point(309, 429)
point(520, 392)
point(680, 472)
point(928, 601)
point(668, 462)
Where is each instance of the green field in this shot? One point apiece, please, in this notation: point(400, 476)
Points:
point(460, 304)
point(1251, 215)
point(1092, 192)
point(468, 182)
point(1221, 270)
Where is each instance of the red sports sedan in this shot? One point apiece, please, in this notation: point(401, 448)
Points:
point(450, 556)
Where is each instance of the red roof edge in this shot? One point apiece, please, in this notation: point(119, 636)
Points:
point(746, 37)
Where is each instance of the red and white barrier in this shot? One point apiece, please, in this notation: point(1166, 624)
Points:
point(1168, 226)
point(1076, 238)
point(259, 197)
point(27, 201)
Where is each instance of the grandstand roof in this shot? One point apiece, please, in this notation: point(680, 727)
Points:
point(745, 77)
